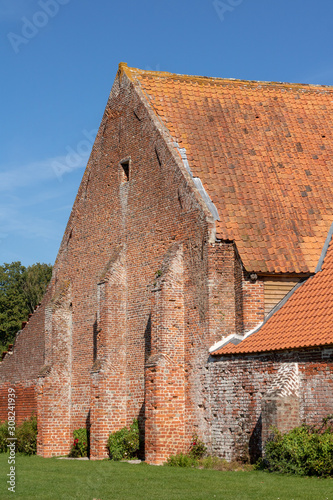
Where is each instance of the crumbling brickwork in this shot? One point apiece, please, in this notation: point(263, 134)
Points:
point(108, 375)
point(250, 393)
point(20, 369)
point(280, 406)
point(165, 367)
point(54, 388)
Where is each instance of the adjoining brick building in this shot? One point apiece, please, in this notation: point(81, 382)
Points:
point(279, 374)
point(204, 202)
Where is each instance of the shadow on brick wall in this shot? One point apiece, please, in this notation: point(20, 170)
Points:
point(255, 442)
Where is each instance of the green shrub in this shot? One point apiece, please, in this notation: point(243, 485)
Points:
point(4, 435)
point(80, 443)
point(26, 435)
point(198, 449)
point(124, 443)
point(181, 460)
point(191, 459)
point(305, 450)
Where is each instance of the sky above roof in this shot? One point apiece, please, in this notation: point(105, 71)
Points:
point(59, 60)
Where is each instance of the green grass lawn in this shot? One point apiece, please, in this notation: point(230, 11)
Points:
point(46, 479)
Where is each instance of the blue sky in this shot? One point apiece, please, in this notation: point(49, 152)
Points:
point(59, 59)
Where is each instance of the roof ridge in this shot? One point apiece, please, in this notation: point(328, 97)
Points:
point(130, 72)
point(324, 250)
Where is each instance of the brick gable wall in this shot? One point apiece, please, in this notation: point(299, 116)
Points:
point(118, 236)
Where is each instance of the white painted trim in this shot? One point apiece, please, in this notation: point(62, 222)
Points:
point(226, 340)
point(234, 338)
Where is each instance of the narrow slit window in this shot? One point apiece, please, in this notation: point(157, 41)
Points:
point(125, 170)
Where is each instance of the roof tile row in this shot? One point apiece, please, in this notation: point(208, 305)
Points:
point(264, 153)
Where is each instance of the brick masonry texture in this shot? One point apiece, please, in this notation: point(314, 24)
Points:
point(165, 403)
point(142, 288)
point(250, 393)
point(26, 402)
point(20, 370)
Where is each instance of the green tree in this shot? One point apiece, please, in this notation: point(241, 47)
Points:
point(13, 306)
point(36, 279)
point(21, 289)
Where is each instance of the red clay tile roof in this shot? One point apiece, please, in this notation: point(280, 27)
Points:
point(264, 153)
point(305, 320)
